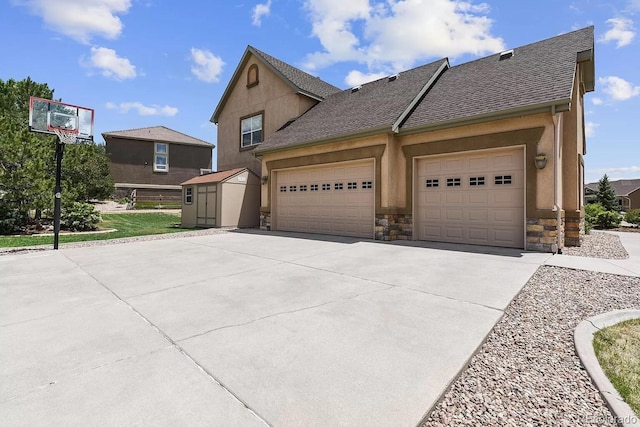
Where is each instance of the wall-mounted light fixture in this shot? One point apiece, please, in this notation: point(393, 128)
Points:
point(264, 179)
point(541, 161)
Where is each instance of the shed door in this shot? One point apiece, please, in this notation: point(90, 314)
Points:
point(475, 198)
point(207, 199)
point(337, 199)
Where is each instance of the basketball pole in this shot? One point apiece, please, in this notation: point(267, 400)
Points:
point(58, 194)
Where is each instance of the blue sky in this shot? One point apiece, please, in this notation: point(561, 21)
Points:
point(144, 63)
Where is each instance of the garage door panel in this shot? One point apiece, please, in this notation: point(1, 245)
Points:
point(336, 201)
point(486, 208)
point(478, 215)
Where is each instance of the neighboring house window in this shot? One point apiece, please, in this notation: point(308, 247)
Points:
point(188, 195)
point(161, 157)
point(252, 76)
point(251, 131)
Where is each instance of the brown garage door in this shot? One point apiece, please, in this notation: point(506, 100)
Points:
point(475, 198)
point(337, 199)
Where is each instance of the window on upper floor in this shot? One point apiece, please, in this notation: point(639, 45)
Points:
point(251, 131)
point(253, 77)
point(161, 157)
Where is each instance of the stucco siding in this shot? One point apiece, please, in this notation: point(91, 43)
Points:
point(272, 97)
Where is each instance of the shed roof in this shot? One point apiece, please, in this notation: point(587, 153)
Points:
point(302, 82)
point(160, 134)
point(211, 178)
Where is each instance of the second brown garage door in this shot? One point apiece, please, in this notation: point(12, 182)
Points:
point(335, 199)
point(475, 198)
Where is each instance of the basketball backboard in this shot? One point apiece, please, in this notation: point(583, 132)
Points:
point(48, 116)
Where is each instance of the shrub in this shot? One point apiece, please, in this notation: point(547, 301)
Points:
point(632, 216)
point(595, 215)
point(608, 219)
point(79, 217)
point(11, 219)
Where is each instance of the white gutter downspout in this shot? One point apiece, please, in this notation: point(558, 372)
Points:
point(557, 118)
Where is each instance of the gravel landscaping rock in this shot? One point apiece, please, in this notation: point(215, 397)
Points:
point(527, 373)
point(598, 244)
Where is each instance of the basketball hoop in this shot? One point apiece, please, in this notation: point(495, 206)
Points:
point(66, 136)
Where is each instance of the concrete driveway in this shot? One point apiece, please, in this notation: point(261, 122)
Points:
point(245, 328)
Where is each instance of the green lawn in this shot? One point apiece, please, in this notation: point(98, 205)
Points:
point(618, 351)
point(126, 224)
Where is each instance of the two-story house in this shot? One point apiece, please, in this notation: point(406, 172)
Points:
point(487, 152)
point(152, 162)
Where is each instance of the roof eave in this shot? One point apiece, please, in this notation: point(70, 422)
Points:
point(587, 57)
point(549, 107)
point(169, 141)
point(360, 134)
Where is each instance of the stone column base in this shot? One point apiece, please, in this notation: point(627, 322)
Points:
point(542, 235)
point(265, 221)
point(394, 227)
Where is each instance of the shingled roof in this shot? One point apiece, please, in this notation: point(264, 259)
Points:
point(370, 107)
point(301, 82)
point(159, 134)
point(622, 187)
point(533, 78)
point(538, 75)
point(211, 178)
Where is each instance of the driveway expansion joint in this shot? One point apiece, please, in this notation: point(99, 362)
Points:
point(175, 345)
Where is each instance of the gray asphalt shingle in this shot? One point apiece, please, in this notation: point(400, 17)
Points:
point(158, 133)
point(538, 74)
point(375, 105)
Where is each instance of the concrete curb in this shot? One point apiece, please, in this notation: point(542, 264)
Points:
point(583, 338)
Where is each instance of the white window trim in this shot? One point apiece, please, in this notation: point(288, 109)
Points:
point(156, 153)
point(252, 131)
point(188, 195)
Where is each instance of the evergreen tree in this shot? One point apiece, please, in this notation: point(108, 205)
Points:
point(27, 161)
point(606, 195)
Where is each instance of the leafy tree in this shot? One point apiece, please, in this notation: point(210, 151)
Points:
point(606, 195)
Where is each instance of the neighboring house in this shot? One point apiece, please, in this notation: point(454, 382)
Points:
point(627, 193)
point(487, 152)
point(154, 161)
point(222, 199)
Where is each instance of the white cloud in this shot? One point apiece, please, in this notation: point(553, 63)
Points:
point(110, 64)
point(596, 101)
point(394, 34)
point(143, 110)
point(618, 89)
point(356, 78)
point(628, 172)
point(590, 129)
point(260, 11)
point(622, 32)
point(206, 66)
point(80, 19)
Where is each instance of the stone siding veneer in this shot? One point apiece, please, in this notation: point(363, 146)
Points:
point(542, 235)
point(265, 221)
point(394, 227)
point(574, 231)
